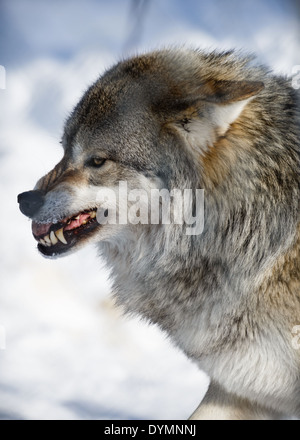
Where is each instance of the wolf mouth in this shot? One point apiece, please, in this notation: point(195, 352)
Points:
point(58, 238)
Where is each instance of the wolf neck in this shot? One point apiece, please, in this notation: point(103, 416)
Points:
point(165, 276)
point(197, 300)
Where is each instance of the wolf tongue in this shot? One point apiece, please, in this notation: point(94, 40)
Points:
point(78, 221)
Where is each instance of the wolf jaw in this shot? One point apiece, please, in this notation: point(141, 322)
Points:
point(59, 237)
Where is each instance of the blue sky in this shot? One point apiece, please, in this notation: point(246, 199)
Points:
point(34, 28)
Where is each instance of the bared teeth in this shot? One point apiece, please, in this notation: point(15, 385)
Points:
point(47, 240)
point(60, 235)
point(53, 238)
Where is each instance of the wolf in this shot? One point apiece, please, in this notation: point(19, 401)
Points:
point(228, 296)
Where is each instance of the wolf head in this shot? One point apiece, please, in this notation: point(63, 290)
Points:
point(168, 119)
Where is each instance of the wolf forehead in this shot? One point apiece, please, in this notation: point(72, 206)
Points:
point(159, 83)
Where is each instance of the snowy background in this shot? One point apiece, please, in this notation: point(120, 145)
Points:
point(65, 351)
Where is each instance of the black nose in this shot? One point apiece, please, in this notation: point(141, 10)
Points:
point(30, 202)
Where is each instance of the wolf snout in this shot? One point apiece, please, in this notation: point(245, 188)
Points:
point(30, 202)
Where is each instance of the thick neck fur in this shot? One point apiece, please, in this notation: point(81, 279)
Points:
point(165, 275)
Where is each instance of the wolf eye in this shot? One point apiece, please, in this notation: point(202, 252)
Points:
point(96, 162)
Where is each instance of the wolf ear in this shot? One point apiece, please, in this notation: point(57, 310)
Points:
point(219, 103)
point(226, 92)
point(230, 98)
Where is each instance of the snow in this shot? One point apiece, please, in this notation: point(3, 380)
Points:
point(68, 353)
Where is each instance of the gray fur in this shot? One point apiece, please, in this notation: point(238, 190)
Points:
point(229, 297)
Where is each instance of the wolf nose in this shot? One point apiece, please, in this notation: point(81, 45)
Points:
point(30, 202)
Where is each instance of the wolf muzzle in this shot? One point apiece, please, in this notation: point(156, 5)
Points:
point(30, 202)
